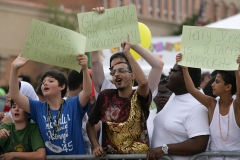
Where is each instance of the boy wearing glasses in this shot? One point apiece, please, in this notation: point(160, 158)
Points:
point(21, 139)
point(123, 111)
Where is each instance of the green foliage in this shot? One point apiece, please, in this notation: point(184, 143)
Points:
point(60, 18)
point(190, 21)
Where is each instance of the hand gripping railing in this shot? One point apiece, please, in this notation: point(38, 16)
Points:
point(222, 154)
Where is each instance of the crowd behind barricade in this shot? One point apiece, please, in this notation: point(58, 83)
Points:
point(85, 113)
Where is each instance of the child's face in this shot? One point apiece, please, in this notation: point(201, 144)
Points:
point(218, 86)
point(18, 114)
point(50, 86)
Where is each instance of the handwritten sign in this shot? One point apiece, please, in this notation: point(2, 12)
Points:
point(54, 45)
point(212, 48)
point(109, 29)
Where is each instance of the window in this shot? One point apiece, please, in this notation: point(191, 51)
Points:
point(186, 8)
point(120, 3)
point(158, 8)
point(139, 6)
point(172, 9)
point(179, 10)
point(165, 9)
point(150, 8)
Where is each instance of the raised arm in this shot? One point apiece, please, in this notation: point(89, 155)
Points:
point(155, 62)
point(85, 94)
point(14, 93)
point(237, 73)
point(97, 70)
point(143, 88)
point(96, 64)
point(207, 101)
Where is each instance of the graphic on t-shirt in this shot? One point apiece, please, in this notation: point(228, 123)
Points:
point(57, 135)
point(19, 148)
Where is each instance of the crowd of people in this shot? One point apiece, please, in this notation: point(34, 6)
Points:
point(85, 113)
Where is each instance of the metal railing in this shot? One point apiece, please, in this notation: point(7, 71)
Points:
point(222, 154)
point(206, 155)
point(108, 156)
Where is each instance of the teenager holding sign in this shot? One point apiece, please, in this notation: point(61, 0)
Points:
point(223, 111)
point(57, 119)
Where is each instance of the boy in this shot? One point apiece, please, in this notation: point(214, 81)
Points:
point(57, 119)
point(21, 139)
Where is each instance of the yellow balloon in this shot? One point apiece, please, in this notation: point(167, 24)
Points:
point(145, 37)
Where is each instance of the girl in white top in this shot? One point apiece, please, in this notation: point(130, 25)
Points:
point(223, 112)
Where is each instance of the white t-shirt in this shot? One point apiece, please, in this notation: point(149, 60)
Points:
point(151, 116)
point(182, 117)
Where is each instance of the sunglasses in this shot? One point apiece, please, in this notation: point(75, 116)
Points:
point(174, 70)
point(120, 70)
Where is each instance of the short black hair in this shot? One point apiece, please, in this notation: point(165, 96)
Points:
point(75, 79)
point(59, 76)
point(195, 74)
point(25, 78)
point(120, 55)
point(229, 78)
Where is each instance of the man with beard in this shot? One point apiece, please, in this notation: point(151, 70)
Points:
point(123, 111)
point(181, 128)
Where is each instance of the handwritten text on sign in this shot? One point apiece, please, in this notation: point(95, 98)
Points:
point(109, 29)
point(54, 45)
point(211, 48)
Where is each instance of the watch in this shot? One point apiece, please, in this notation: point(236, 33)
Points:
point(165, 149)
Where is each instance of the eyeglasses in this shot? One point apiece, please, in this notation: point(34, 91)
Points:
point(164, 93)
point(120, 70)
point(174, 70)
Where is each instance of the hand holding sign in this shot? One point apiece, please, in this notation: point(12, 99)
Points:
point(126, 45)
point(19, 61)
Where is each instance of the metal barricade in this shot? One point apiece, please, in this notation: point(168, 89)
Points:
point(222, 154)
point(108, 156)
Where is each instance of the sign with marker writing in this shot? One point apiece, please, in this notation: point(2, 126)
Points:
point(212, 48)
point(109, 29)
point(54, 45)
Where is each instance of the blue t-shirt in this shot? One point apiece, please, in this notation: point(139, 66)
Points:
point(68, 140)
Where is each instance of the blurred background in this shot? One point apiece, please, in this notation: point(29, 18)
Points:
point(164, 18)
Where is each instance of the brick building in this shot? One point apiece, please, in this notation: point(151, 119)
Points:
point(161, 16)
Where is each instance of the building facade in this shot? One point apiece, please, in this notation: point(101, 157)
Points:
point(161, 16)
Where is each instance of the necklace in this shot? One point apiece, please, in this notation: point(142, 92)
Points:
point(56, 127)
point(219, 123)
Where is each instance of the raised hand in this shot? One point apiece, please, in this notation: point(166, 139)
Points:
point(19, 61)
point(99, 9)
point(4, 133)
point(238, 61)
point(82, 60)
point(126, 45)
point(178, 57)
